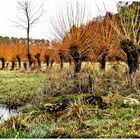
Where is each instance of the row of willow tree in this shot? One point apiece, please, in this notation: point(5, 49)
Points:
point(113, 37)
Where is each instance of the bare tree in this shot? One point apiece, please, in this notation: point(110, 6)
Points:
point(29, 16)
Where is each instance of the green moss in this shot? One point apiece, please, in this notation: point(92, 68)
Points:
point(72, 96)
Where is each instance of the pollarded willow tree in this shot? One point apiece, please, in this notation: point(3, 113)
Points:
point(29, 15)
point(59, 52)
point(102, 37)
point(127, 28)
point(17, 51)
point(71, 34)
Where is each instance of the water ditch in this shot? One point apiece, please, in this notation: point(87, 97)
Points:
point(6, 113)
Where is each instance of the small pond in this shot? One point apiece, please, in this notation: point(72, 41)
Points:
point(6, 113)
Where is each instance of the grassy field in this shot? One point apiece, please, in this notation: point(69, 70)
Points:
point(31, 91)
point(20, 87)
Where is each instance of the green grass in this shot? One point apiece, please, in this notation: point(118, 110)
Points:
point(17, 87)
point(117, 121)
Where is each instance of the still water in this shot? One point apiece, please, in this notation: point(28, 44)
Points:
point(6, 113)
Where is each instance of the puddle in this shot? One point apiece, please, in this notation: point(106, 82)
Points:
point(6, 113)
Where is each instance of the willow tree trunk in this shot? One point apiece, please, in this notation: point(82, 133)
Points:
point(47, 58)
point(13, 65)
point(69, 60)
point(25, 65)
point(77, 64)
point(76, 58)
point(132, 53)
point(3, 63)
point(62, 56)
point(102, 62)
point(37, 56)
point(51, 63)
point(61, 63)
point(29, 59)
point(19, 61)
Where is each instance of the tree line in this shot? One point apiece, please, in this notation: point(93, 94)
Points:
point(113, 37)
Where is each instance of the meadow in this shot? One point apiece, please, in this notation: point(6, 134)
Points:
point(81, 80)
point(31, 91)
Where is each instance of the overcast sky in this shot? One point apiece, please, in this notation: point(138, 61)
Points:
point(8, 12)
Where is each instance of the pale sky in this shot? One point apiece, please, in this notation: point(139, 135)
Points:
point(8, 12)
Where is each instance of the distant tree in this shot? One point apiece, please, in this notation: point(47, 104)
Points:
point(60, 52)
point(47, 52)
point(36, 50)
point(18, 50)
point(30, 16)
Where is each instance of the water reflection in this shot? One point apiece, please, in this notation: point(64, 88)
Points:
point(6, 113)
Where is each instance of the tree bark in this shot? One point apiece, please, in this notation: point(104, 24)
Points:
point(13, 65)
point(77, 64)
point(19, 61)
point(47, 58)
point(37, 56)
point(102, 60)
point(52, 61)
point(25, 65)
point(70, 60)
point(28, 38)
point(62, 56)
point(132, 53)
point(3, 63)
point(76, 58)
point(29, 59)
